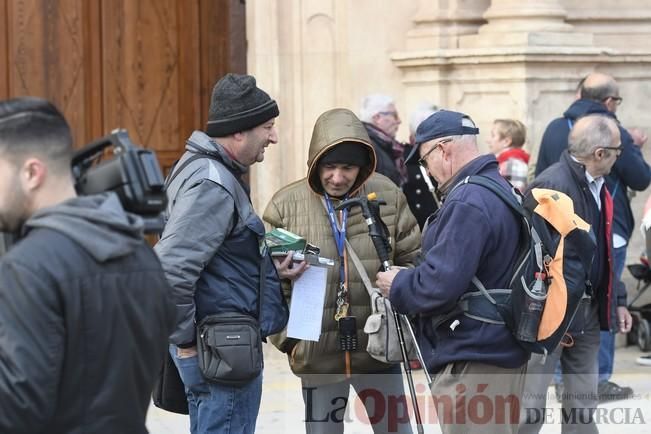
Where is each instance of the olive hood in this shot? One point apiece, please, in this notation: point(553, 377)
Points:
point(332, 128)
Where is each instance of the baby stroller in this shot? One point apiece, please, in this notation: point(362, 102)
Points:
point(640, 305)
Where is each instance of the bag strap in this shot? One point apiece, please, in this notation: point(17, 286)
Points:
point(510, 198)
point(358, 265)
point(513, 200)
point(261, 283)
point(175, 171)
point(360, 269)
point(488, 312)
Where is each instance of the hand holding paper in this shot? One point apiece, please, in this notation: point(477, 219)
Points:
point(287, 268)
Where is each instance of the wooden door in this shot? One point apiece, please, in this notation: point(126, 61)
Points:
point(144, 65)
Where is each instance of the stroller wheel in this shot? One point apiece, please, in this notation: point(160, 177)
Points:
point(644, 335)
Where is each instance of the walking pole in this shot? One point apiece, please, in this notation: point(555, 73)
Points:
point(419, 355)
point(382, 247)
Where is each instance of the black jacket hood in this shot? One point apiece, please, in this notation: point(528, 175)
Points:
point(98, 223)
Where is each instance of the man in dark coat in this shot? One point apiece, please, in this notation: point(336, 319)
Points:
point(594, 146)
point(419, 188)
point(85, 309)
point(600, 95)
point(381, 120)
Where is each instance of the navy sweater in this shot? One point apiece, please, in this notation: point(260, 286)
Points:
point(474, 233)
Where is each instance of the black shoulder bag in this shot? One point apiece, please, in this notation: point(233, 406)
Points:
point(230, 344)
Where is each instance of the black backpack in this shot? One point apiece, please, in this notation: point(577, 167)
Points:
point(550, 275)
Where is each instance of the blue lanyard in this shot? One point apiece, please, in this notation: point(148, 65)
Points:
point(339, 233)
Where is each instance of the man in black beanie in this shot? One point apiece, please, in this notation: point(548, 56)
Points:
point(341, 165)
point(211, 253)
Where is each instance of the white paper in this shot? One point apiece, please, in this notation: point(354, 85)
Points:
point(306, 308)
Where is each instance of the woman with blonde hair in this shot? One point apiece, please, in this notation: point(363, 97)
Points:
point(507, 140)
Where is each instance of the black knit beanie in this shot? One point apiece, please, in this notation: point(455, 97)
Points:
point(353, 153)
point(237, 104)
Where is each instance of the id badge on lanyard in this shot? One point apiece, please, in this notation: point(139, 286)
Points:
point(339, 234)
point(347, 324)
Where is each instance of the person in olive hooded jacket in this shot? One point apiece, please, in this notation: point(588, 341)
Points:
point(341, 165)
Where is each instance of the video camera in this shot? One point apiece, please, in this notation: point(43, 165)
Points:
point(133, 173)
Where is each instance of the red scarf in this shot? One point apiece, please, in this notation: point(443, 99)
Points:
point(509, 153)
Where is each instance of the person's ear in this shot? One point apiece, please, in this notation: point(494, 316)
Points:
point(239, 136)
point(33, 174)
point(444, 150)
point(508, 141)
point(599, 153)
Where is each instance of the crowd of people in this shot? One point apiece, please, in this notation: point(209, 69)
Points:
point(90, 312)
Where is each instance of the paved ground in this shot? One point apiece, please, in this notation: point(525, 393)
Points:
point(282, 406)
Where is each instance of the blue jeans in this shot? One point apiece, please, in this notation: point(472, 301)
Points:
point(214, 408)
point(607, 338)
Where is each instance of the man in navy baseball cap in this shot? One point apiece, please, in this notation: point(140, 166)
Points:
point(475, 235)
point(443, 123)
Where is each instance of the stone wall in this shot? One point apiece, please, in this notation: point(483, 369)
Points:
point(314, 55)
point(488, 58)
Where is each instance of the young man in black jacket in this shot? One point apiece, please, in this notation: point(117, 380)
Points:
point(85, 309)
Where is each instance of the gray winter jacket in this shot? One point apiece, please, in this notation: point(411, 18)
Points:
point(212, 248)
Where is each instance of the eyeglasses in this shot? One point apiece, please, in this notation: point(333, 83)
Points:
point(618, 149)
point(423, 160)
point(394, 114)
point(618, 99)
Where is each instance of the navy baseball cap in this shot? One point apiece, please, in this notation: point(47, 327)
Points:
point(442, 123)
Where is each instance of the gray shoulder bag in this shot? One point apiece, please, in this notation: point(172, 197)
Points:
point(383, 343)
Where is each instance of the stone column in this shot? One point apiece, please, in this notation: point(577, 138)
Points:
point(264, 48)
point(526, 16)
point(526, 23)
point(620, 24)
point(525, 62)
point(440, 23)
point(314, 55)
